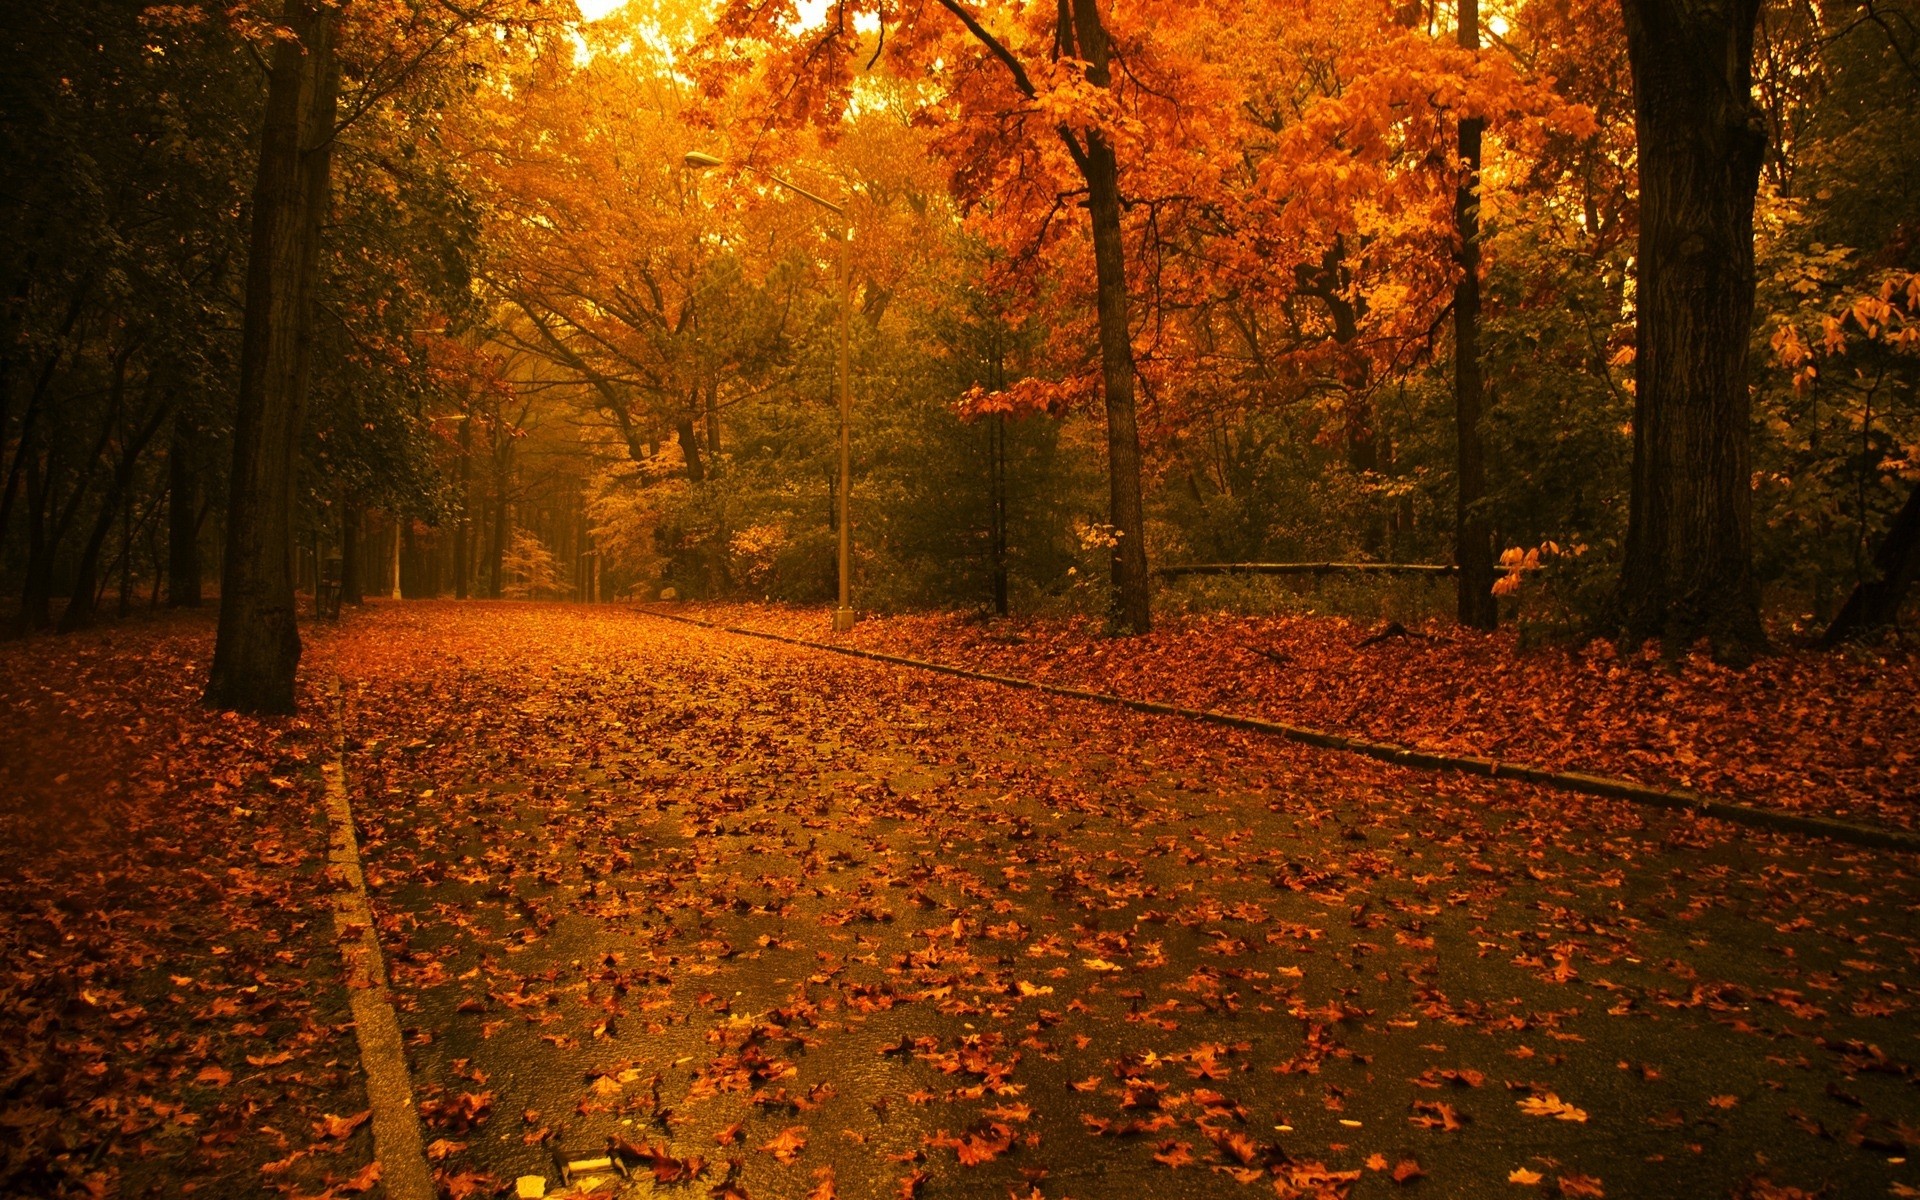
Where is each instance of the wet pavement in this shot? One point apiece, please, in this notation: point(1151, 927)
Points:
point(821, 922)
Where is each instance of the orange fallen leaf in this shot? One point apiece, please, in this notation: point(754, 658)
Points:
point(786, 1145)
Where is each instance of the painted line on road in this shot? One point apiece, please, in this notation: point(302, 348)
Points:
point(1406, 756)
point(396, 1123)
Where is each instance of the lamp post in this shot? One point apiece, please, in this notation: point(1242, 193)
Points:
point(843, 615)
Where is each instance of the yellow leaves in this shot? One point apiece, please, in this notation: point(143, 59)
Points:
point(1101, 965)
point(1546, 1104)
point(1524, 1177)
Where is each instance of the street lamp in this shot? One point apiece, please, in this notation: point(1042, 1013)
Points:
point(843, 617)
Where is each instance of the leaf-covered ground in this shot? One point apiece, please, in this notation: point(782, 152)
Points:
point(782, 923)
point(170, 1012)
point(1830, 733)
point(779, 923)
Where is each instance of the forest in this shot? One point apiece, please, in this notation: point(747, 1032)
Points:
point(429, 300)
point(959, 598)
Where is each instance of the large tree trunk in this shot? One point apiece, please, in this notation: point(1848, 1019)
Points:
point(1131, 609)
point(258, 647)
point(1875, 603)
point(1688, 571)
point(1472, 541)
point(183, 517)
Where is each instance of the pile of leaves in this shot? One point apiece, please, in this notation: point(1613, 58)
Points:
point(1833, 733)
point(171, 1018)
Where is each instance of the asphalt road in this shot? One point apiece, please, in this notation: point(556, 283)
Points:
point(652, 882)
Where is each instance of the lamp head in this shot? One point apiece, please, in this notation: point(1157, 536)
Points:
point(700, 160)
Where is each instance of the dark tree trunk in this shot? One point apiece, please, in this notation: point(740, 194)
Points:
point(1131, 608)
point(1079, 34)
point(352, 589)
point(412, 586)
point(29, 417)
point(83, 605)
point(463, 519)
point(183, 517)
point(690, 448)
point(1875, 603)
point(48, 521)
point(497, 551)
point(1688, 571)
point(713, 421)
point(36, 593)
point(997, 473)
point(1472, 541)
point(257, 651)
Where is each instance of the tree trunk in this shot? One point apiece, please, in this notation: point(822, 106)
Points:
point(183, 517)
point(463, 519)
point(1131, 604)
point(48, 521)
point(257, 651)
point(497, 552)
point(83, 605)
point(690, 449)
point(413, 588)
point(1875, 603)
point(713, 421)
point(352, 590)
point(1688, 570)
point(1472, 542)
point(36, 593)
point(997, 475)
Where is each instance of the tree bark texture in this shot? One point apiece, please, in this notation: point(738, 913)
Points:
point(1688, 569)
point(257, 651)
point(1476, 604)
point(1131, 610)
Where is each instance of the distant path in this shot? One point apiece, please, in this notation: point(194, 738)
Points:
point(902, 927)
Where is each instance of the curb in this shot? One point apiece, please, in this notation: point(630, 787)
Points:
point(383, 1059)
point(1406, 756)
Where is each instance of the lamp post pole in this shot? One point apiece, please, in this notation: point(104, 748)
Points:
point(843, 614)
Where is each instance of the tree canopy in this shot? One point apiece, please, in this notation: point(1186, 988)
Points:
point(1131, 287)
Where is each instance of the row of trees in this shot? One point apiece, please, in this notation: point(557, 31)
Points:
point(1354, 279)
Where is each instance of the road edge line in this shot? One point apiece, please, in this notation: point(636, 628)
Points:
point(1405, 756)
point(397, 1145)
